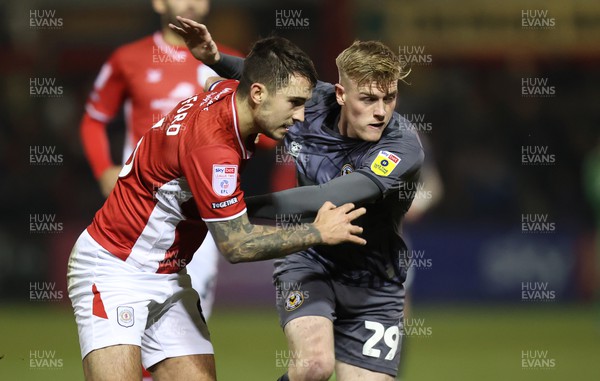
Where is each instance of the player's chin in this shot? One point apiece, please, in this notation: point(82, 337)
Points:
point(371, 135)
point(278, 134)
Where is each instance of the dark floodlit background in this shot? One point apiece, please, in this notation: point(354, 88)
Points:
point(505, 96)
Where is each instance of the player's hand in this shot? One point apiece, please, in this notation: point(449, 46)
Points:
point(197, 39)
point(335, 225)
point(108, 179)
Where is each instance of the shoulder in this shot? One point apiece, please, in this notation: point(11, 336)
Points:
point(399, 129)
point(224, 86)
point(134, 47)
point(129, 54)
point(321, 105)
point(402, 138)
point(212, 116)
point(323, 95)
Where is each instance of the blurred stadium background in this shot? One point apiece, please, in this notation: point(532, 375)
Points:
point(506, 97)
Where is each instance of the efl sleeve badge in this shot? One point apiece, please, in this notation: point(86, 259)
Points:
point(384, 163)
point(224, 179)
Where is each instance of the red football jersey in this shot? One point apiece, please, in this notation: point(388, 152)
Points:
point(183, 172)
point(148, 77)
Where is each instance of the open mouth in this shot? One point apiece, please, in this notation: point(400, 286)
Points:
point(376, 125)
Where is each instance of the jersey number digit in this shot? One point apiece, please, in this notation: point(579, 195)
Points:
point(391, 338)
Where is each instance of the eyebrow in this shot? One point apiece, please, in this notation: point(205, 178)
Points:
point(297, 98)
point(395, 92)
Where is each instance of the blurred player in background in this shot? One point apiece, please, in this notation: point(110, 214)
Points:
point(342, 307)
point(131, 295)
point(148, 78)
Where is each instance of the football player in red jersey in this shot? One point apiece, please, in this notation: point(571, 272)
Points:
point(131, 295)
point(147, 78)
point(352, 147)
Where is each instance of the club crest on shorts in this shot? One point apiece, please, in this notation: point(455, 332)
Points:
point(125, 316)
point(224, 179)
point(384, 163)
point(294, 300)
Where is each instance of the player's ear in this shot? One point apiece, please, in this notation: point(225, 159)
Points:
point(258, 92)
point(159, 6)
point(340, 94)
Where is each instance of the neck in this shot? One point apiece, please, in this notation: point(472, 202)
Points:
point(171, 37)
point(343, 125)
point(245, 117)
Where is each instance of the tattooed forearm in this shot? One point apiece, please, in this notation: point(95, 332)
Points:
point(240, 241)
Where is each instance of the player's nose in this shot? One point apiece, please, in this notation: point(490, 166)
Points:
point(379, 111)
point(298, 115)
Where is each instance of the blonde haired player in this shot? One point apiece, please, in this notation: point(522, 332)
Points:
point(342, 307)
point(127, 280)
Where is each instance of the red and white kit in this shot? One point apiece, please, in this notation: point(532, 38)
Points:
point(148, 77)
point(128, 268)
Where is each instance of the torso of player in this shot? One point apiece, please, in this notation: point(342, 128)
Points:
point(322, 154)
point(183, 172)
point(156, 76)
point(159, 76)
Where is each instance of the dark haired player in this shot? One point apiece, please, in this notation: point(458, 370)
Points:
point(344, 304)
point(131, 295)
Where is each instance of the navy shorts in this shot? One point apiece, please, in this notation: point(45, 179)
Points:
point(367, 321)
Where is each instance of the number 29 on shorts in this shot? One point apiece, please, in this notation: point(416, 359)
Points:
point(390, 336)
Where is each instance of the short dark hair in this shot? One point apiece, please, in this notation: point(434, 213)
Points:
point(272, 62)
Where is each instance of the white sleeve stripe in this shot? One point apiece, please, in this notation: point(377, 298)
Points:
point(105, 73)
point(204, 73)
point(215, 84)
point(95, 114)
point(225, 218)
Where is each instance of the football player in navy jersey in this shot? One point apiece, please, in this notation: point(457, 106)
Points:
point(341, 307)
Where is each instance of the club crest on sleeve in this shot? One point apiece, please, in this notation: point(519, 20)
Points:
point(125, 316)
point(294, 300)
point(384, 163)
point(224, 179)
point(347, 169)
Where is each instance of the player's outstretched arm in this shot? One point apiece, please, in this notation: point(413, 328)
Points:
point(240, 241)
point(304, 201)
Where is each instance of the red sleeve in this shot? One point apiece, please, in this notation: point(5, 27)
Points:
point(102, 105)
point(213, 174)
point(109, 91)
point(95, 144)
